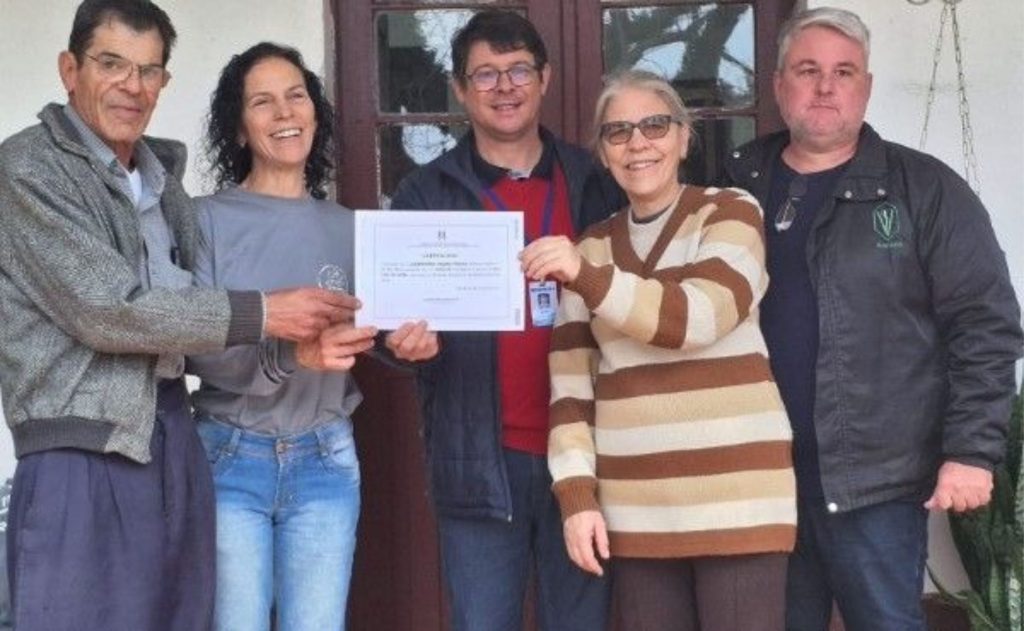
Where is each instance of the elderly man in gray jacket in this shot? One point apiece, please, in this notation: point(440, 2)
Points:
point(111, 523)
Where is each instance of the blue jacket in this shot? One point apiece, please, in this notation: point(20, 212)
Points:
point(919, 327)
point(459, 389)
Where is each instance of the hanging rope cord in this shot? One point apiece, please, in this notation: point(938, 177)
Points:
point(966, 130)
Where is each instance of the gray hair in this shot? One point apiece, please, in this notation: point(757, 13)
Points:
point(846, 22)
point(636, 80)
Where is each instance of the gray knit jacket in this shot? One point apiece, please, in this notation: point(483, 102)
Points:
point(79, 337)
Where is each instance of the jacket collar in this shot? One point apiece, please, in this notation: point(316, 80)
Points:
point(458, 165)
point(171, 153)
point(148, 165)
point(491, 174)
point(865, 178)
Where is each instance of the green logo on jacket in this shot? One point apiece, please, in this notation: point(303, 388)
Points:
point(886, 221)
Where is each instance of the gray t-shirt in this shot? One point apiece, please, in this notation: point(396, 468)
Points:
point(252, 241)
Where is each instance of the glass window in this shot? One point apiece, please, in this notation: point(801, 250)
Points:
point(448, 2)
point(415, 59)
point(405, 147)
point(705, 50)
point(711, 142)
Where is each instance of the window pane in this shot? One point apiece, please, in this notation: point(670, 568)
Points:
point(448, 2)
point(405, 147)
point(705, 50)
point(712, 141)
point(415, 59)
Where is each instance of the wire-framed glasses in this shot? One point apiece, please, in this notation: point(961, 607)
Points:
point(786, 214)
point(117, 68)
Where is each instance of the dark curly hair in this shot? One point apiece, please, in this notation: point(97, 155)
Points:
point(233, 162)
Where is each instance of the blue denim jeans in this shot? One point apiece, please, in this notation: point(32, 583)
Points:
point(487, 562)
point(287, 508)
point(870, 560)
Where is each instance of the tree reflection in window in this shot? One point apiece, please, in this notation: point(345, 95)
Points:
point(415, 60)
point(405, 147)
point(706, 50)
point(415, 65)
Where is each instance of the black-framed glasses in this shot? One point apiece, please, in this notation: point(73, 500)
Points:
point(786, 214)
point(652, 127)
point(116, 68)
point(487, 78)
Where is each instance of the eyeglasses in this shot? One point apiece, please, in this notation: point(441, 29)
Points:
point(786, 214)
point(116, 68)
point(652, 127)
point(486, 78)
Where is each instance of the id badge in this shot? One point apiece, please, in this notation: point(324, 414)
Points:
point(543, 302)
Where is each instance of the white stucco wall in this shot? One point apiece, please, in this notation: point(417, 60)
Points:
point(33, 31)
point(902, 47)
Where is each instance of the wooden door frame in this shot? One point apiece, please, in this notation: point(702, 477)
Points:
point(355, 111)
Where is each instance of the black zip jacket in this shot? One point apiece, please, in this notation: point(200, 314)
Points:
point(919, 327)
point(459, 389)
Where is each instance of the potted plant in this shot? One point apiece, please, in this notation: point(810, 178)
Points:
point(990, 542)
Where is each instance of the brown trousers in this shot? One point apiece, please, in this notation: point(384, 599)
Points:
point(723, 593)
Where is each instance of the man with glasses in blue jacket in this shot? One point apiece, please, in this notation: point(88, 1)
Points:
point(485, 396)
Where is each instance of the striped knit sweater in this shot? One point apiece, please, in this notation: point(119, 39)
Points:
point(664, 414)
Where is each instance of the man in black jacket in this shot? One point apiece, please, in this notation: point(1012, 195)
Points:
point(892, 328)
point(485, 396)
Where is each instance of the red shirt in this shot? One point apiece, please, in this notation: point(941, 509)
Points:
point(523, 377)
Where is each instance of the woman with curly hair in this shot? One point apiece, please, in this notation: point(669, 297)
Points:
point(275, 418)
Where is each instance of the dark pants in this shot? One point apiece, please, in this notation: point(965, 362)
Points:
point(870, 560)
point(721, 593)
point(487, 562)
point(98, 542)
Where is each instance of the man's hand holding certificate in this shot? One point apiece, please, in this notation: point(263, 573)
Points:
point(456, 270)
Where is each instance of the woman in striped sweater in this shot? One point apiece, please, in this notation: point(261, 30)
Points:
point(669, 444)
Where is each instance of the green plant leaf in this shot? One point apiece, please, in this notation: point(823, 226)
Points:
point(991, 544)
point(1014, 457)
point(980, 619)
point(1016, 603)
point(996, 597)
point(969, 546)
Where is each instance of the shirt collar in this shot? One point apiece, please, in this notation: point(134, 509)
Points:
point(149, 166)
point(89, 138)
point(490, 174)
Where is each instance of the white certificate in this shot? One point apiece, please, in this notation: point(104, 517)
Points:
point(458, 270)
